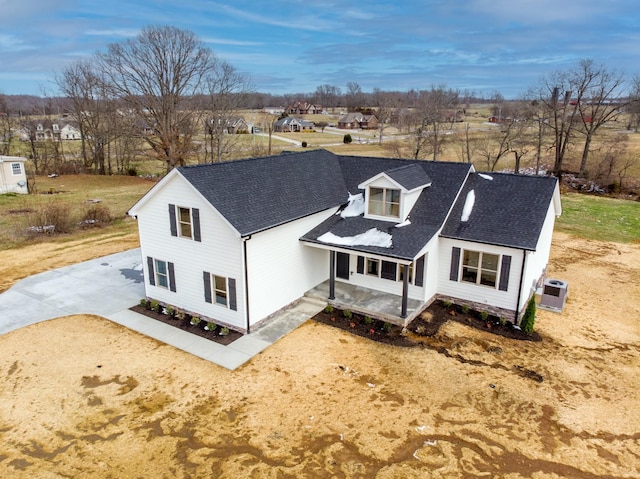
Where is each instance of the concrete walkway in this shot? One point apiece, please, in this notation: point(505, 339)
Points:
point(109, 286)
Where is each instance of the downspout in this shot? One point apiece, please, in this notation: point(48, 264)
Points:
point(246, 281)
point(524, 262)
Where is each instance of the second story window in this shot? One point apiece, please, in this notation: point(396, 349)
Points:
point(184, 220)
point(384, 202)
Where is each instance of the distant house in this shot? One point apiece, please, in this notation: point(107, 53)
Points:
point(357, 120)
point(273, 110)
point(13, 177)
point(290, 124)
point(70, 132)
point(237, 241)
point(303, 108)
point(231, 126)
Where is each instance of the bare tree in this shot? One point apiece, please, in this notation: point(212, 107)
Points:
point(7, 127)
point(579, 101)
point(354, 96)
point(227, 94)
point(328, 95)
point(92, 110)
point(157, 75)
point(603, 101)
point(385, 102)
point(434, 110)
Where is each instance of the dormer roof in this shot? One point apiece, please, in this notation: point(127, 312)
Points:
point(407, 177)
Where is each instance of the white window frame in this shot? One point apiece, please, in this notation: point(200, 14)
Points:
point(16, 171)
point(184, 224)
point(161, 277)
point(219, 294)
point(479, 268)
point(386, 203)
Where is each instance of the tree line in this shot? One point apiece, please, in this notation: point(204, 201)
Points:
point(165, 95)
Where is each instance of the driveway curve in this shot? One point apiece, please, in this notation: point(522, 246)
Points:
point(103, 286)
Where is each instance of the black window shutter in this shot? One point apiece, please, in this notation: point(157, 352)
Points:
point(504, 273)
point(388, 270)
point(420, 271)
point(195, 216)
point(233, 304)
point(172, 220)
point(206, 277)
point(455, 262)
point(172, 277)
point(360, 265)
point(152, 274)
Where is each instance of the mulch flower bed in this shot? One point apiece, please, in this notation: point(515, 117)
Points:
point(425, 325)
point(185, 325)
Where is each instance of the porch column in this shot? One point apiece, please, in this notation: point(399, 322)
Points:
point(332, 274)
point(405, 291)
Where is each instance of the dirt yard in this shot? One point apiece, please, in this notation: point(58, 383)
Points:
point(82, 397)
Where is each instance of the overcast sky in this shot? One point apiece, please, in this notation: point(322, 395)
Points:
point(293, 46)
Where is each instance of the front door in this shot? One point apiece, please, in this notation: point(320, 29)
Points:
point(342, 265)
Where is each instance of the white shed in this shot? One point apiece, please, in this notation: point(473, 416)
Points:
point(13, 176)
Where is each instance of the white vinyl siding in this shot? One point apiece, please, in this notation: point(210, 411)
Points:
point(220, 252)
point(474, 291)
point(281, 268)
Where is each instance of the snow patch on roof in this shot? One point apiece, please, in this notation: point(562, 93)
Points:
point(468, 206)
point(406, 222)
point(372, 237)
point(355, 206)
point(486, 177)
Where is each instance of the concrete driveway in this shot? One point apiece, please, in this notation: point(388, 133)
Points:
point(102, 286)
point(109, 286)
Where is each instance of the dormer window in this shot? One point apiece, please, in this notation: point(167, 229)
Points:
point(384, 202)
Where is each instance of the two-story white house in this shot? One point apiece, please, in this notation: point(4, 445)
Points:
point(237, 241)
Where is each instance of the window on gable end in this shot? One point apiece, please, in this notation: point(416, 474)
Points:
point(184, 222)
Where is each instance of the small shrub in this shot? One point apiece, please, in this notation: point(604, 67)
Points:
point(53, 213)
point(224, 331)
point(367, 320)
point(484, 315)
point(347, 139)
point(529, 317)
point(211, 326)
point(502, 321)
point(171, 311)
point(465, 309)
point(144, 302)
point(156, 306)
point(386, 327)
point(347, 314)
point(304, 144)
point(195, 321)
point(132, 172)
point(447, 304)
point(181, 315)
point(328, 309)
point(96, 214)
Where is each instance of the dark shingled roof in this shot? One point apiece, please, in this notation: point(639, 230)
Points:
point(260, 193)
point(409, 176)
point(508, 211)
point(427, 216)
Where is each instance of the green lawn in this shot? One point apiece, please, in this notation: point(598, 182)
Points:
point(604, 219)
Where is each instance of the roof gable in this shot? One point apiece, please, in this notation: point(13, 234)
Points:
point(260, 193)
point(508, 210)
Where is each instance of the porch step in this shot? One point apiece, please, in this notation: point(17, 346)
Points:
point(314, 300)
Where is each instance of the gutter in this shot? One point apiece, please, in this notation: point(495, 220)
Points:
point(524, 262)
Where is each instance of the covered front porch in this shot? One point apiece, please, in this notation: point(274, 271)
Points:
point(370, 302)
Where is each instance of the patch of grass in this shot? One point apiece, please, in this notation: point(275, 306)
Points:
point(600, 218)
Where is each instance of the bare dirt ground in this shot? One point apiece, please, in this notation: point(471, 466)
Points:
point(82, 397)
